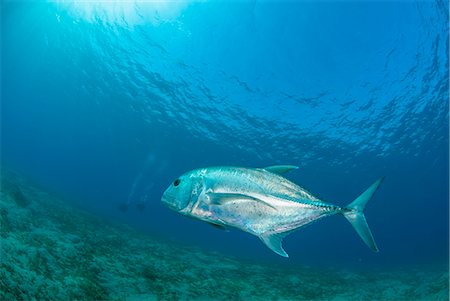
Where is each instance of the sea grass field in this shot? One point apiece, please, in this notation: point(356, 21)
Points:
point(107, 107)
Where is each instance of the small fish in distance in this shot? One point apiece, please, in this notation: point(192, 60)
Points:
point(259, 201)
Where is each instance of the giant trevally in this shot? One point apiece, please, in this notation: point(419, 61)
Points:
point(259, 201)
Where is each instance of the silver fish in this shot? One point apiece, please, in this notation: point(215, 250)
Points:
point(259, 201)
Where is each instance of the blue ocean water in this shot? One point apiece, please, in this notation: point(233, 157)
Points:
point(108, 102)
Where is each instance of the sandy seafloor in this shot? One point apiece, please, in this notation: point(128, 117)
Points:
point(53, 251)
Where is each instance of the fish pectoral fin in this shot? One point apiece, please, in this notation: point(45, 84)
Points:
point(221, 227)
point(217, 198)
point(274, 242)
point(280, 169)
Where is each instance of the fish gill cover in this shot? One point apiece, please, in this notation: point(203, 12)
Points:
point(105, 103)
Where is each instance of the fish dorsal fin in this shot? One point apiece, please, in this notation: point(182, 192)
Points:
point(280, 169)
point(218, 198)
point(274, 242)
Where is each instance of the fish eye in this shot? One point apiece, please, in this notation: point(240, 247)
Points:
point(176, 182)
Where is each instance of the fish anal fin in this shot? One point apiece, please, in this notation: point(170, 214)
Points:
point(280, 169)
point(217, 198)
point(274, 242)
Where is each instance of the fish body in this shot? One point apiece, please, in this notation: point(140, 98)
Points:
point(259, 201)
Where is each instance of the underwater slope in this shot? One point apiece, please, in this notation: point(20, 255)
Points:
point(52, 251)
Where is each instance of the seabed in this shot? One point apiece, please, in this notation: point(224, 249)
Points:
point(51, 250)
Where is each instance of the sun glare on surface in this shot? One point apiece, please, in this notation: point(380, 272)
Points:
point(126, 12)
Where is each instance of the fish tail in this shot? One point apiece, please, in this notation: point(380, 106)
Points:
point(354, 213)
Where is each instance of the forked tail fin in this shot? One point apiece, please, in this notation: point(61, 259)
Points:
point(355, 215)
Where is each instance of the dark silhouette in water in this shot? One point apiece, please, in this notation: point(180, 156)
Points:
point(111, 264)
point(140, 206)
point(140, 184)
point(142, 203)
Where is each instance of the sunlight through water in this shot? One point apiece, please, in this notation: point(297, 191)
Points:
point(129, 13)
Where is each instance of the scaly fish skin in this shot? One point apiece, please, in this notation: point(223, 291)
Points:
point(256, 200)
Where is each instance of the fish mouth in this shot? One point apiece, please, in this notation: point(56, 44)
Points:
point(165, 199)
point(169, 200)
point(172, 203)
